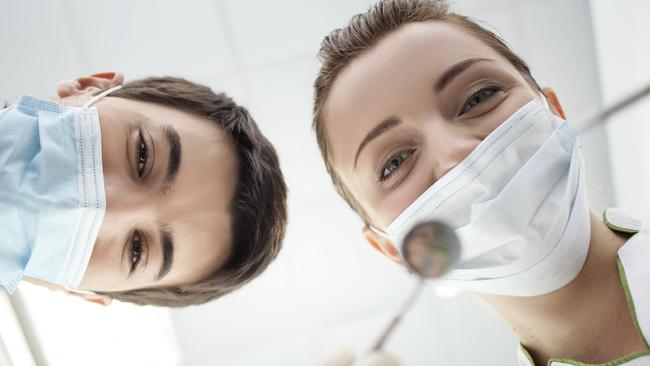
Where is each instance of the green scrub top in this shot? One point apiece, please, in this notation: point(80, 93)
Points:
point(634, 270)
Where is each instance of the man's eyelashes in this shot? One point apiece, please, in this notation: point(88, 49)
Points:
point(141, 155)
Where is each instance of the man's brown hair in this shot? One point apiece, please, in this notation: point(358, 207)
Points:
point(258, 209)
point(342, 46)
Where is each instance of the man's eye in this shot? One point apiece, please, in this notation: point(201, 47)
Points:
point(142, 155)
point(478, 98)
point(137, 250)
point(392, 165)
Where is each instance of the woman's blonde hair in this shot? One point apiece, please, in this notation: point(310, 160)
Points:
point(342, 46)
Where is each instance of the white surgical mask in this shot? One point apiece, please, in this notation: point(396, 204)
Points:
point(52, 198)
point(518, 205)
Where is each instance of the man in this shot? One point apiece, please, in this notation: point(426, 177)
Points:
point(177, 199)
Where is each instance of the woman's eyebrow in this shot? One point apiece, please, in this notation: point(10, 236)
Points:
point(174, 161)
point(382, 127)
point(456, 70)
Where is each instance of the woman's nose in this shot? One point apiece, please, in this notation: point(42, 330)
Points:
point(449, 148)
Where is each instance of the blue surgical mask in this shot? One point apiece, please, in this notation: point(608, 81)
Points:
point(52, 197)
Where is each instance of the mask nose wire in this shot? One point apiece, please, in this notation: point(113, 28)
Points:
point(89, 104)
point(101, 95)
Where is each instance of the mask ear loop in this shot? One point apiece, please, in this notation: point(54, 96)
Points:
point(380, 232)
point(101, 95)
point(398, 246)
point(544, 101)
point(387, 236)
point(80, 292)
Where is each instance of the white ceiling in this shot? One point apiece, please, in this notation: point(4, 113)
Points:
point(327, 289)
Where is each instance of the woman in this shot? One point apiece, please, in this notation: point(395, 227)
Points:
point(421, 114)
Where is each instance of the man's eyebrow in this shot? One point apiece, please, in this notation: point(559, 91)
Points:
point(384, 126)
point(174, 162)
point(456, 70)
point(167, 249)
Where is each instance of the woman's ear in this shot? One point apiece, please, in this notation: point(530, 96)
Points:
point(89, 84)
point(554, 102)
point(382, 244)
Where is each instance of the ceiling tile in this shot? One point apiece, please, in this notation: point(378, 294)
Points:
point(272, 31)
point(37, 49)
point(142, 38)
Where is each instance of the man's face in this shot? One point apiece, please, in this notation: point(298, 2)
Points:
point(169, 177)
point(411, 108)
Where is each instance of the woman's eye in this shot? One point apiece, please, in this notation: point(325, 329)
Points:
point(137, 250)
point(478, 98)
point(142, 155)
point(392, 165)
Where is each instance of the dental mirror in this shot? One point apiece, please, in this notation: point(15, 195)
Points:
point(429, 250)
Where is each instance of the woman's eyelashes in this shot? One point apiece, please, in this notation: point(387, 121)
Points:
point(141, 154)
point(392, 165)
point(478, 97)
point(136, 251)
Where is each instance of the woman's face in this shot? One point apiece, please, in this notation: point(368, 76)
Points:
point(169, 177)
point(408, 110)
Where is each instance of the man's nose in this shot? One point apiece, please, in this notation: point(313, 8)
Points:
point(127, 208)
point(127, 199)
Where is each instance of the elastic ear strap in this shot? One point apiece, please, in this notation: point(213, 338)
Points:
point(101, 95)
point(80, 292)
point(544, 101)
point(386, 236)
point(379, 232)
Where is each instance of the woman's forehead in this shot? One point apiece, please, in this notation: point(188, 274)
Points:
point(405, 55)
point(398, 70)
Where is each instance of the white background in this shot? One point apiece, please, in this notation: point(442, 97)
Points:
point(327, 289)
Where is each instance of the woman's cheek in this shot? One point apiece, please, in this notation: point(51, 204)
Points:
point(418, 181)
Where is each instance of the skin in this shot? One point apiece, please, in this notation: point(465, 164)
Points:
point(437, 129)
point(194, 209)
point(345, 357)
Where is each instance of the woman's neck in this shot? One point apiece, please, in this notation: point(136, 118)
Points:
point(588, 320)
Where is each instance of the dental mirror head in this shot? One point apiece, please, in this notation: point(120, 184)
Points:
point(431, 248)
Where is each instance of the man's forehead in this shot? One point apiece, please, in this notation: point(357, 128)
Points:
point(197, 216)
point(202, 245)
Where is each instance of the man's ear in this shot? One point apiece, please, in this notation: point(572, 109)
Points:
point(554, 102)
point(91, 297)
point(86, 295)
point(89, 84)
point(382, 244)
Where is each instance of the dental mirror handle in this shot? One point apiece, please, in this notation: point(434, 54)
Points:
point(602, 115)
point(398, 318)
